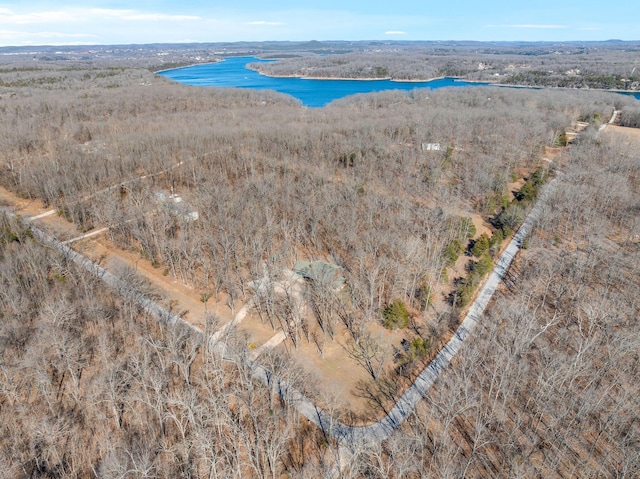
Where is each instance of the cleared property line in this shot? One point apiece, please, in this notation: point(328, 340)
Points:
point(42, 215)
point(614, 115)
point(216, 339)
point(270, 344)
point(131, 180)
point(88, 235)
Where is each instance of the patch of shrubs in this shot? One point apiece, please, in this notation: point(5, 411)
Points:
point(483, 266)
point(467, 286)
point(480, 246)
point(512, 215)
point(417, 349)
point(530, 189)
point(395, 315)
point(495, 241)
point(453, 251)
point(509, 219)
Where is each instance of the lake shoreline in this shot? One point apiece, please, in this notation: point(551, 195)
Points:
point(454, 78)
point(157, 72)
point(396, 80)
point(235, 72)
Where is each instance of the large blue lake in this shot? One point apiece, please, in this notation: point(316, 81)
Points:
point(232, 72)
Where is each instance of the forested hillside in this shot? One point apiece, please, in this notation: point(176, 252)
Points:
point(588, 65)
point(409, 198)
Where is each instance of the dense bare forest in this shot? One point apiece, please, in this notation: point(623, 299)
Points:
point(409, 196)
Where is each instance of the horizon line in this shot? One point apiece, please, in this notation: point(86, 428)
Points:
point(383, 41)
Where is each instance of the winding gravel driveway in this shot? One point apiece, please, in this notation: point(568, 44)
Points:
point(343, 433)
point(379, 430)
point(404, 406)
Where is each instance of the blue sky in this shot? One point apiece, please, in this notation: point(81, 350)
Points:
point(144, 21)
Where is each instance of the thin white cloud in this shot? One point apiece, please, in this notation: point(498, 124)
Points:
point(395, 32)
point(111, 12)
point(13, 34)
point(527, 25)
point(161, 17)
point(11, 18)
point(8, 17)
point(62, 35)
point(262, 22)
point(105, 25)
point(142, 16)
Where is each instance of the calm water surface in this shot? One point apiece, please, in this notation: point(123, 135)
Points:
point(232, 72)
point(315, 93)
